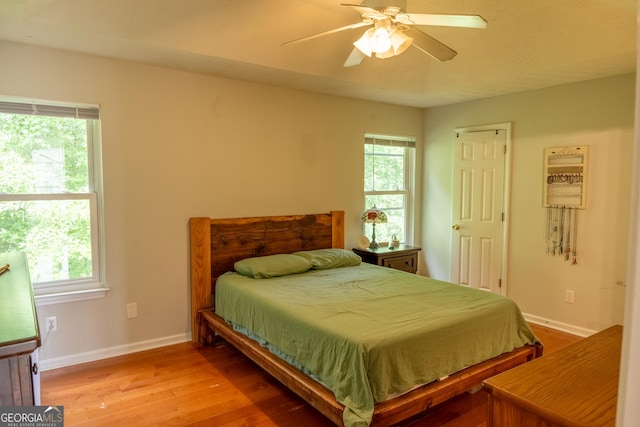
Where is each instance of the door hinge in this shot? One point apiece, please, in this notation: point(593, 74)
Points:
point(505, 149)
point(502, 216)
point(500, 283)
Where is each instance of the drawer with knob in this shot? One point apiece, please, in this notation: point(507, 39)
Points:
point(403, 258)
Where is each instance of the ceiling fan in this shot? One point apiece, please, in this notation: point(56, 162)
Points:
point(391, 31)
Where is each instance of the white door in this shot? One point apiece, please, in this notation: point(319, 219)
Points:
point(478, 213)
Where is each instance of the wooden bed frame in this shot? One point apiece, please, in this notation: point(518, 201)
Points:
point(216, 244)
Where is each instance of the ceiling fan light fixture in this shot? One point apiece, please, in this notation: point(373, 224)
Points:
point(387, 25)
point(388, 54)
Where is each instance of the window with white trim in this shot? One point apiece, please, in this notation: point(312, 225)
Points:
point(50, 195)
point(389, 163)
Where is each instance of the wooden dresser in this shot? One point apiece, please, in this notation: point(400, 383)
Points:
point(19, 335)
point(401, 258)
point(574, 386)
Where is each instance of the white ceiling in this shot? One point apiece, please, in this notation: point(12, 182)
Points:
point(527, 44)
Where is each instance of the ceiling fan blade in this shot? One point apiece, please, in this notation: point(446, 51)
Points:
point(336, 30)
point(467, 21)
point(355, 58)
point(430, 46)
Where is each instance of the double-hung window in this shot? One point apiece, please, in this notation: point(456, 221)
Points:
point(388, 184)
point(50, 196)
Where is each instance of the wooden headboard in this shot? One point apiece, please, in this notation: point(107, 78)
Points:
point(216, 244)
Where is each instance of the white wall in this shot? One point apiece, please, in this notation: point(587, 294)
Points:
point(176, 145)
point(628, 411)
point(599, 114)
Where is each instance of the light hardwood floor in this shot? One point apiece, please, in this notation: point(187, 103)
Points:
point(182, 385)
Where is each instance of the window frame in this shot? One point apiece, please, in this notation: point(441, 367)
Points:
point(408, 191)
point(60, 291)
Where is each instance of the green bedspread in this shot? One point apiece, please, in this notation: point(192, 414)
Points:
point(368, 332)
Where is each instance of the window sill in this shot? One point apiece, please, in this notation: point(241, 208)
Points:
point(70, 296)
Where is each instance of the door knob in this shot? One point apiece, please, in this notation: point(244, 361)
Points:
point(456, 226)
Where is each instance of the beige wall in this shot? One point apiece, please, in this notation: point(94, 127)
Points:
point(179, 144)
point(596, 113)
point(176, 145)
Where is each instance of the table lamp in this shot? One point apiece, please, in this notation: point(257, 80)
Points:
point(374, 216)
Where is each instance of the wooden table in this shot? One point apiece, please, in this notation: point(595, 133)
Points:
point(574, 386)
point(19, 334)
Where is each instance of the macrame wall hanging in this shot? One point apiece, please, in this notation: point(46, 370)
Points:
point(565, 174)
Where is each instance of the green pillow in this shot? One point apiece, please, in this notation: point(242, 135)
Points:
point(272, 266)
point(323, 259)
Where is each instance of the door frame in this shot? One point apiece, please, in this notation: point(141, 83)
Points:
point(506, 189)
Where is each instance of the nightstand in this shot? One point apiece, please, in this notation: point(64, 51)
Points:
point(403, 258)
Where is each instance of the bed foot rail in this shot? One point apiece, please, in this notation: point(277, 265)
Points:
point(206, 335)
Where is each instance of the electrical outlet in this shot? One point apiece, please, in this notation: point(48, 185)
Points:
point(569, 296)
point(132, 310)
point(52, 323)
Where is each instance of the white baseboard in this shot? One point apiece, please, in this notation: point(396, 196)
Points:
point(90, 356)
point(564, 327)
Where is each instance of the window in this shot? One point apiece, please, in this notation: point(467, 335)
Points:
point(50, 196)
point(388, 184)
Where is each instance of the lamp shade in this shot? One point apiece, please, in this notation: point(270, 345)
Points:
point(377, 39)
point(380, 41)
point(364, 43)
point(374, 216)
point(400, 41)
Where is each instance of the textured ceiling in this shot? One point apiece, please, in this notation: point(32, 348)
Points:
point(527, 44)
